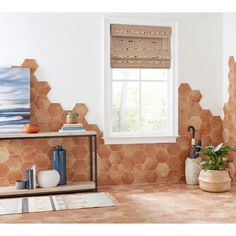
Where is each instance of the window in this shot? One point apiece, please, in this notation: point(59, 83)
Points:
point(140, 103)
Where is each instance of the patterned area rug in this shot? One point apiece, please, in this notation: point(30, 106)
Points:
point(55, 203)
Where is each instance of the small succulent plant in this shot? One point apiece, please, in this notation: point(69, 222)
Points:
point(216, 157)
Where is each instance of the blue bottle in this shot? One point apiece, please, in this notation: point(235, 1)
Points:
point(59, 163)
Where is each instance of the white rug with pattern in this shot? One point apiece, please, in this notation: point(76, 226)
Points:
point(55, 203)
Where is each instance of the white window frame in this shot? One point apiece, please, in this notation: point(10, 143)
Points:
point(109, 136)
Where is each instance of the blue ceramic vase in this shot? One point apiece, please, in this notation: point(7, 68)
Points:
point(59, 163)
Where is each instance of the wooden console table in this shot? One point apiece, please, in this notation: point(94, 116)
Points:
point(11, 191)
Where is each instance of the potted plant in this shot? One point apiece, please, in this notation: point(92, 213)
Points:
point(214, 176)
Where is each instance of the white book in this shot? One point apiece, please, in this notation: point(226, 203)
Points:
point(73, 125)
point(70, 131)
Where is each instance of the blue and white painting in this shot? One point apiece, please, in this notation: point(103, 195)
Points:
point(14, 99)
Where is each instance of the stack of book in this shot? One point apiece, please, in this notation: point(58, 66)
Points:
point(72, 128)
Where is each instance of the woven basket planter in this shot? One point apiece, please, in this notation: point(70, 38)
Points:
point(215, 181)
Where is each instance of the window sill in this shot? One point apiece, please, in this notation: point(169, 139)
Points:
point(137, 140)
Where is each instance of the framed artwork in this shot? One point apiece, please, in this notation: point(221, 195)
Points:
point(14, 99)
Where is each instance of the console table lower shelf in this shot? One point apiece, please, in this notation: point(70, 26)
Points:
point(11, 191)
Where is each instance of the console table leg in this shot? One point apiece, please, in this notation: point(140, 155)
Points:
point(91, 157)
point(95, 163)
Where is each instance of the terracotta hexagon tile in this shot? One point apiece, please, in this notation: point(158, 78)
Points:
point(80, 177)
point(104, 179)
point(139, 147)
point(92, 127)
point(55, 109)
point(196, 109)
point(206, 115)
point(116, 180)
point(138, 173)
point(54, 124)
point(42, 103)
point(195, 121)
point(150, 163)
point(42, 116)
point(33, 81)
point(151, 150)
point(28, 142)
point(104, 151)
point(115, 147)
point(14, 175)
point(28, 154)
point(183, 155)
point(216, 136)
point(116, 175)
point(174, 162)
point(53, 142)
point(163, 170)
point(30, 63)
point(127, 164)
point(184, 142)
point(42, 88)
point(25, 166)
point(41, 146)
point(127, 178)
point(139, 157)
point(162, 156)
point(79, 166)
point(4, 182)
point(3, 169)
point(86, 125)
point(173, 149)
point(81, 109)
point(150, 177)
point(42, 161)
point(33, 95)
point(80, 152)
point(127, 150)
point(14, 162)
point(104, 165)
point(81, 141)
point(195, 95)
point(184, 89)
point(216, 122)
point(115, 158)
point(68, 144)
point(70, 175)
point(4, 155)
point(14, 147)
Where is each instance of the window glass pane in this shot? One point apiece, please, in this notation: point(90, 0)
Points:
point(125, 74)
point(154, 74)
point(153, 106)
point(125, 105)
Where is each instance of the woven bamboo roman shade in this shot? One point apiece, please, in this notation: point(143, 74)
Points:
point(140, 46)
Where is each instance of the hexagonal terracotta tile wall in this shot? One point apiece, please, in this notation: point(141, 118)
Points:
point(118, 164)
point(229, 122)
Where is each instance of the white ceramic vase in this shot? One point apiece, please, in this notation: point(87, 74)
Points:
point(192, 170)
point(48, 178)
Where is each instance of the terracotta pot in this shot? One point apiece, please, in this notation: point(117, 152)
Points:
point(215, 181)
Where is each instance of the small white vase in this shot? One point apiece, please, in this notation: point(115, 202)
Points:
point(192, 170)
point(48, 178)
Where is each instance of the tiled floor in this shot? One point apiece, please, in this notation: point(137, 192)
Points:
point(177, 203)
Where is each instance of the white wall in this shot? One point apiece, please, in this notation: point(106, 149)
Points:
point(229, 48)
point(69, 51)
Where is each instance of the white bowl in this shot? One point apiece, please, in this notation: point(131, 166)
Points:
point(48, 178)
